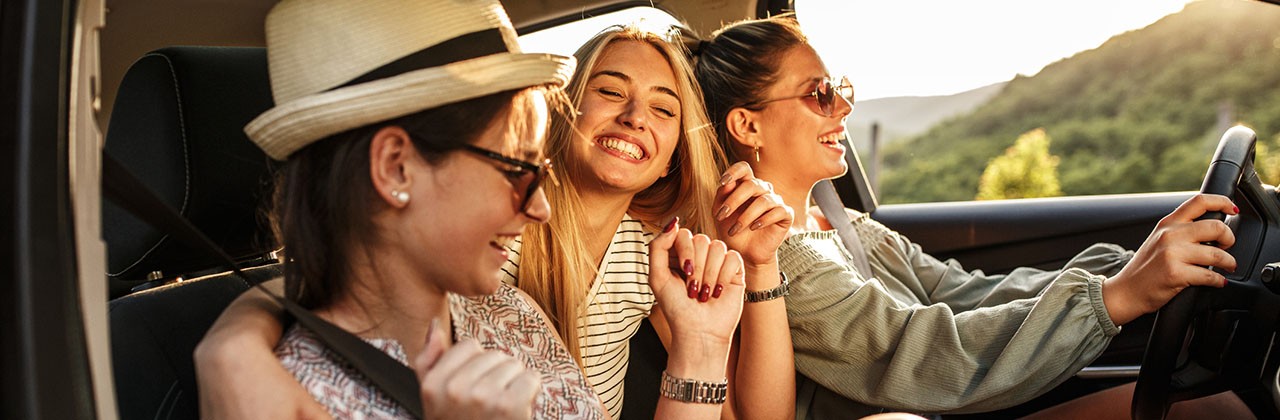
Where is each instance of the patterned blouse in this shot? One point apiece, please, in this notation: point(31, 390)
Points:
point(503, 321)
point(619, 299)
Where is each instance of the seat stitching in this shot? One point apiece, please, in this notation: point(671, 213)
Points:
point(186, 162)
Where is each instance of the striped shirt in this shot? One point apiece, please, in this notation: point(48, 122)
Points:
point(619, 299)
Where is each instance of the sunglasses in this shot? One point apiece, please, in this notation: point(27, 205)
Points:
point(525, 177)
point(825, 92)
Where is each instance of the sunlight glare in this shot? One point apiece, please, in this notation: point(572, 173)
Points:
point(941, 47)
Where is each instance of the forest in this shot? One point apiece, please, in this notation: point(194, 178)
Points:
point(1140, 113)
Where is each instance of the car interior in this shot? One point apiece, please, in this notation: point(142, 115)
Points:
point(179, 127)
point(176, 94)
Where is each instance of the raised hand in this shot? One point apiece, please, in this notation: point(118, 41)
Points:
point(750, 217)
point(1172, 258)
point(468, 382)
point(698, 283)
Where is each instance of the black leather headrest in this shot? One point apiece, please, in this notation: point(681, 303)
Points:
point(177, 125)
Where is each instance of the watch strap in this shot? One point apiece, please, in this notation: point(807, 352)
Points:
point(693, 391)
point(783, 289)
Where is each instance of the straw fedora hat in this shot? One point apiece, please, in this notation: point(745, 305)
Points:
point(337, 65)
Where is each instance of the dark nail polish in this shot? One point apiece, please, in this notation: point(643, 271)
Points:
point(757, 226)
point(688, 267)
point(716, 292)
point(693, 290)
point(723, 179)
point(1235, 209)
point(735, 228)
point(671, 224)
point(705, 294)
point(722, 212)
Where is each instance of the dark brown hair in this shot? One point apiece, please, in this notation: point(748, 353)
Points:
point(739, 63)
point(324, 196)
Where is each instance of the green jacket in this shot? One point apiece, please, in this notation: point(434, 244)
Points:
point(927, 336)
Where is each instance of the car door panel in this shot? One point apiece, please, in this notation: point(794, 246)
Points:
point(998, 236)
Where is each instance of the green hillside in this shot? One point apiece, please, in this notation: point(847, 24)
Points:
point(1140, 113)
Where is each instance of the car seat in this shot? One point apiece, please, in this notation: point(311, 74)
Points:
point(177, 126)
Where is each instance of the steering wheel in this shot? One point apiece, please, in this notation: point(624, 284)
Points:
point(1208, 340)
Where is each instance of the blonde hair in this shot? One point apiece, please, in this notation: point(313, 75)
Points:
point(556, 267)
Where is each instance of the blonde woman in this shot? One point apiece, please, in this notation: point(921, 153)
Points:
point(641, 151)
point(637, 152)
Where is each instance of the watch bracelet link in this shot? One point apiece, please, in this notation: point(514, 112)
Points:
point(693, 391)
point(783, 289)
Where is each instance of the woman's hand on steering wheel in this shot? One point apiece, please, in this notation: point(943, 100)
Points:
point(1180, 252)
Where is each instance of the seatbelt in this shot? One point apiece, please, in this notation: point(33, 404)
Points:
point(395, 379)
point(824, 193)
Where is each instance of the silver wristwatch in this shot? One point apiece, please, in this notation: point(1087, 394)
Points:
point(689, 390)
point(783, 289)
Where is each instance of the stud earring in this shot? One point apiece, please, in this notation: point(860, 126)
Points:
point(401, 196)
point(757, 148)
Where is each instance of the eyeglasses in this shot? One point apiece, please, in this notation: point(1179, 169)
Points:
point(825, 93)
point(525, 177)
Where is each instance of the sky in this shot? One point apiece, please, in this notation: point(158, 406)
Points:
point(929, 47)
point(940, 47)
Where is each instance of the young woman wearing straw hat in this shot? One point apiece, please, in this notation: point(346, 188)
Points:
point(408, 167)
point(637, 153)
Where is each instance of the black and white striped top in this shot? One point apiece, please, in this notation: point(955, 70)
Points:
point(619, 299)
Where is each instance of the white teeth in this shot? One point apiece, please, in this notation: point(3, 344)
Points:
point(831, 138)
point(625, 148)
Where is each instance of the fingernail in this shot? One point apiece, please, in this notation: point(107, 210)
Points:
point(724, 178)
point(1224, 282)
point(735, 228)
point(757, 226)
point(716, 293)
point(671, 224)
point(705, 294)
point(1235, 210)
point(722, 212)
point(688, 268)
point(693, 290)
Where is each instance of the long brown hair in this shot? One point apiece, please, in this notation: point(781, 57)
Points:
point(739, 63)
point(324, 199)
point(556, 267)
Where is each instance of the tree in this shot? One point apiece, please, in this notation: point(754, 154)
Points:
point(1025, 170)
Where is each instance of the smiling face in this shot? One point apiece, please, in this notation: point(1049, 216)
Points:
point(630, 120)
point(470, 209)
point(798, 143)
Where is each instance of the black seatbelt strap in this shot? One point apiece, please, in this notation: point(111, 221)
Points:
point(824, 193)
point(395, 379)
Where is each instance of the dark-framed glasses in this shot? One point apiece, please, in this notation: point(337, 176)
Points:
point(525, 177)
point(825, 94)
